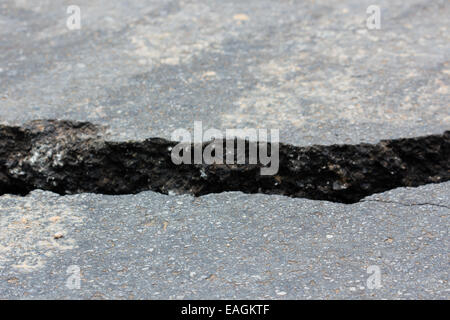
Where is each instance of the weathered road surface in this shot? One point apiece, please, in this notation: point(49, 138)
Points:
point(145, 68)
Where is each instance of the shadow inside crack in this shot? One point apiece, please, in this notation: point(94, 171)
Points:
point(72, 157)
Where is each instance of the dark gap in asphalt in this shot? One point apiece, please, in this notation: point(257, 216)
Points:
point(72, 157)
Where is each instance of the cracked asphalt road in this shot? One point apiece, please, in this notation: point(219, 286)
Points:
point(145, 68)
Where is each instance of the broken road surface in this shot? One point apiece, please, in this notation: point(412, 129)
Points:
point(136, 71)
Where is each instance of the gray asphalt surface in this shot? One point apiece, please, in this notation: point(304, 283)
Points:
point(229, 245)
point(309, 68)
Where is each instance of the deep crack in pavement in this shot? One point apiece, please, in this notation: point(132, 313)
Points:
point(69, 157)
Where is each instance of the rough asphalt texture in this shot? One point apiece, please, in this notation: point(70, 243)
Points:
point(310, 68)
point(229, 245)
